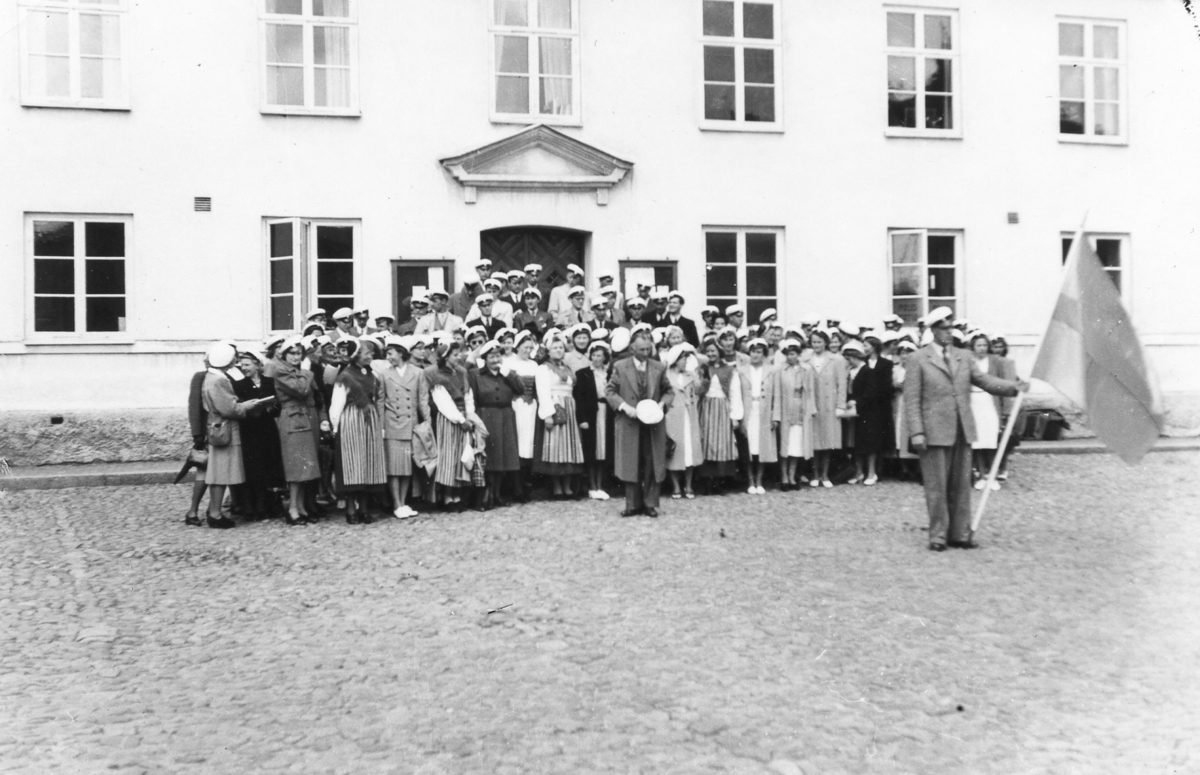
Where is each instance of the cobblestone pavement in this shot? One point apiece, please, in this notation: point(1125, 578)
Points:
point(818, 635)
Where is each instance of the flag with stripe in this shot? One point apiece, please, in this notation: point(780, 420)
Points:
point(1092, 355)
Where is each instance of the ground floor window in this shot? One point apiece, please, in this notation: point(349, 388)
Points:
point(78, 265)
point(924, 266)
point(742, 267)
point(310, 263)
point(1111, 249)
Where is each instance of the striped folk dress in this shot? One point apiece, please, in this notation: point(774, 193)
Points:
point(451, 439)
point(716, 424)
point(360, 460)
point(561, 445)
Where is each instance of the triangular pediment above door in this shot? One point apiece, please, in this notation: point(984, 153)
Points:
point(537, 159)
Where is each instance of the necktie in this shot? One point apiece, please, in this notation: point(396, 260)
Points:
point(949, 363)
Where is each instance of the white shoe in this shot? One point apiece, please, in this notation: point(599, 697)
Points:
point(404, 512)
point(979, 485)
point(826, 483)
point(762, 490)
point(752, 490)
point(603, 495)
point(814, 483)
point(994, 486)
point(592, 495)
point(871, 481)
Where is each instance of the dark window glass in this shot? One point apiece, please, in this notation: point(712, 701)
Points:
point(722, 279)
point(760, 281)
point(105, 277)
point(335, 242)
point(718, 18)
point(720, 102)
point(760, 65)
point(335, 302)
point(1109, 252)
point(760, 103)
point(760, 249)
point(281, 313)
point(335, 277)
point(1070, 118)
point(103, 240)
point(937, 113)
point(53, 313)
point(106, 314)
point(1066, 247)
point(281, 239)
point(755, 307)
point(53, 275)
point(720, 247)
point(902, 110)
point(721, 302)
point(53, 238)
point(718, 64)
point(941, 282)
point(937, 75)
point(940, 250)
point(281, 276)
point(906, 280)
point(758, 21)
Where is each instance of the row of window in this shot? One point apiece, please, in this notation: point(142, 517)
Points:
point(80, 262)
point(75, 54)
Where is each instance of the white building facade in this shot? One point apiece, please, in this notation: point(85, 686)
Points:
point(175, 175)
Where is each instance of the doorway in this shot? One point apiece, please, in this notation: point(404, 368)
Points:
point(410, 274)
point(515, 247)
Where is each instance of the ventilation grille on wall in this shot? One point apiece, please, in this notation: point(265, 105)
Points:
point(204, 204)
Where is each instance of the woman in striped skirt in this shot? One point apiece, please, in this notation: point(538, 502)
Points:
point(560, 448)
point(359, 458)
point(453, 407)
point(720, 412)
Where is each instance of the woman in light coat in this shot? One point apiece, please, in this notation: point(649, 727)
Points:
point(758, 393)
point(829, 391)
point(683, 419)
point(794, 409)
point(403, 404)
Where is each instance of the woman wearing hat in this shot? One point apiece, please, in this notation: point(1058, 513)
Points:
point(261, 457)
point(300, 426)
point(794, 408)
point(683, 419)
point(829, 392)
point(595, 420)
point(453, 408)
point(404, 405)
point(559, 447)
point(360, 459)
point(495, 388)
point(524, 407)
point(532, 318)
point(721, 410)
point(224, 410)
point(872, 386)
point(759, 426)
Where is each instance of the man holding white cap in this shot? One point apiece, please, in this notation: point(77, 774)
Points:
point(560, 302)
point(343, 319)
point(440, 319)
point(937, 406)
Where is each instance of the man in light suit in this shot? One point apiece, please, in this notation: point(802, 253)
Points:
point(937, 405)
point(639, 450)
point(440, 319)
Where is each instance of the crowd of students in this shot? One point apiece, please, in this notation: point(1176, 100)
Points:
point(501, 391)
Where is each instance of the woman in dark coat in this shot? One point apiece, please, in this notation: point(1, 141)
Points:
point(874, 434)
point(300, 424)
point(595, 418)
point(495, 388)
point(260, 439)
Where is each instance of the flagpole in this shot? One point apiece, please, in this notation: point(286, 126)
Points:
point(1069, 266)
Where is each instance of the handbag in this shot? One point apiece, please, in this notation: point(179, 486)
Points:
point(220, 432)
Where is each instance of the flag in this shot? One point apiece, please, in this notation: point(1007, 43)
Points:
point(1092, 355)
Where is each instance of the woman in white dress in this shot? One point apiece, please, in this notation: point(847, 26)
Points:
point(983, 409)
point(525, 407)
point(758, 380)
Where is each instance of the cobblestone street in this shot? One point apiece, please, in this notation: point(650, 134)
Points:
point(807, 632)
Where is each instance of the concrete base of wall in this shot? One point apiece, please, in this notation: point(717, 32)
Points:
point(133, 435)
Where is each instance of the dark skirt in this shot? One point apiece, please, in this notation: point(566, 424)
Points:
point(261, 455)
point(501, 445)
point(874, 433)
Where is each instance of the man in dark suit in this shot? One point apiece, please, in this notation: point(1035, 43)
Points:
point(489, 322)
point(640, 450)
point(600, 313)
point(674, 317)
point(937, 405)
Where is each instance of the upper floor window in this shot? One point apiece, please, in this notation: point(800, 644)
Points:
point(742, 267)
point(1091, 81)
point(310, 263)
point(310, 56)
point(535, 60)
point(78, 269)
point(1111, 249)
point(924, 97)
point(742, 61)
point(73, 54)
point(924, 266)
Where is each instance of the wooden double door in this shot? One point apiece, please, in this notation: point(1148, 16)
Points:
point(515, 247)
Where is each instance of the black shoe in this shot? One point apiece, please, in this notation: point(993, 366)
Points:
point(298, 522)
point(222, 523)
point(631, 512)
point(652, 513)
point(351, 519)
point(193, 521)
point(962, 544)
point(936, 547)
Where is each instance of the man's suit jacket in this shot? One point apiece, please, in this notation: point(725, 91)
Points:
point(433, 322)
point(622, 388)
point(687, 325)
point(607, 325)
point(937, 398)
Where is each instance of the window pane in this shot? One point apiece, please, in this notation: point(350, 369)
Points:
point(48, 33)
point(720, 102)
point(902, 73)
point(940, 250)
point(902, 110)
point(281, 239)
point(758, 21)
point(50, 76)
point(285, 86)
point(332, 8)
point(1104, 42)
point(331, 46)
point(53, 314)
point(1070, 118)
point(53, 238)
point(105, 277)
point(512, 54)
point(1109, 252)
point(331, 87)
point(902, 30)
point(906, 280)
point(1070, 82)
point(938, 113)
point(937, 32)
point(718, 18)
point(335, 302)
point(281, 276)
point(285, 44)
point(103, 240)
point(512, 13)
point(1108, 122)
point(99, 34)
point(554, 14)
point(760, 249)
point(512, 94)
point(937, 75)
point(53, 275)
point(106, 314)
point(755, 307)
point(98, 77)
point(759, 65)
point(760, 281)
point(555, 97)
point(281, 313)
point(285, 6)
point(906, 248)
point(1107, 87)
point(335, 277)
point(555, 54)
point(718, 64)
point(335, 242)
point(760, 103)
point(941, 282)
point(720, 247)
point(909, 309)
point(1066, 248)
point(1070, 40)
point(722, 279)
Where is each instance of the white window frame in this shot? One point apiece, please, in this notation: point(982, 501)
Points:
point(80, 335)
point(1089, 62)
point(304, 266)
point(739, 44)
point(920, 54)
point(1123, 270)
point(780, 262)
point(74, 9)
point(534, 34)
point(307, 20)
point(923, 297)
